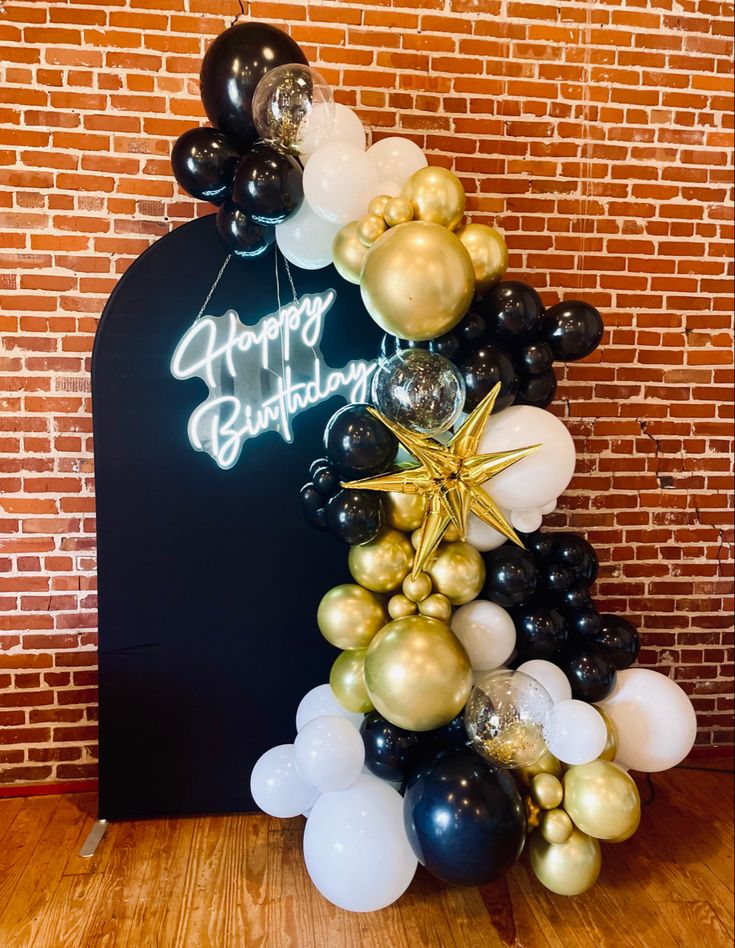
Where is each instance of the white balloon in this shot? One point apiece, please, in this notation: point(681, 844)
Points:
point(526, 520)
point(540, 477)
point(548, 508)
point(550, 676)
point(306, 239)
point(329, 753)
point(322, 700)
point(339, 181)
point(346, 127)
point(577, 733)
point(390, 188)
point(355, 846)
point(654, 718)
point(487, 633)
point(482, 536)
point(396, 159)
point(277, 786)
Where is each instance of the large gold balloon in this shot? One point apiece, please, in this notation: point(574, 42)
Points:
point(437, 196)
point(547, 791)
point(417, 281)
point(556, 827)
point(382, 564)
point(546, 764)
point(458, 572)
point(602, 800)
point(418, 675)
point(568, 868)
point(488, 252)
point(349, 616)
point(347, 679)
point(610, 750)
point(349, 252)
point(404, 511)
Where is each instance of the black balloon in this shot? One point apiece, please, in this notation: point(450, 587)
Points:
point(513, 313)
point(576, 598)
point(446, 345)
point(620, 639)
point(537, 390)
point(390, 345)
point(556, 579)
point(585, 624)
point(472, 329)
point(233, 66)
point(312, 503)
point(536, 358)
point(324, 478)
point(358, 444)
point(573, 329)
point(576, 553)
point(511, 575)
point(204, 162)
point(540, 631)
point(268, 185)
point(243, 237)
point(355, 516)
point(539, 543)
point(482, 369)
point(590, 671)
point(390, 752)
point(464, 818)
point(453, 734)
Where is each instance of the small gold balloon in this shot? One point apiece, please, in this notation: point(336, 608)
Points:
point(418, 675)
point(602, 800)
point(382, 564)
point(458, 572)
point(378, 204)
point(347, 679)
point(547, 791)
point(400, 606)
point(436, 606)
point(546, 764)
point(349, 616)
point(437, 196)
point(556, 827)
point(397, 211)
point(348, 253)
point(417, 281)
point(533, 814)
point(568, 868)
point(404, 511)
point(611, 744)
point(417, 588)
point(488, 252)
point(369, 228)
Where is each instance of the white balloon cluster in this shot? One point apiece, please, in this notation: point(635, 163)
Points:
point(355, 845)
point(340, 179)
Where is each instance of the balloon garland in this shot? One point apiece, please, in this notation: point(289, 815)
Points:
point(480, 700)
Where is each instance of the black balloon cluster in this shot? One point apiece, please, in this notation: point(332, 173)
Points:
point(254, 186)
point(546, 589)
point(509, 337)
point(357, 445)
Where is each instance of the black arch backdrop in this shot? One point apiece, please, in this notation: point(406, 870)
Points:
point(203, 657)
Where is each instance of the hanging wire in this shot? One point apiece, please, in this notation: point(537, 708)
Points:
point(243, 12)
point(213, 287)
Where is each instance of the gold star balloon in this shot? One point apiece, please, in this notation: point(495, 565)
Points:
point(450, 477)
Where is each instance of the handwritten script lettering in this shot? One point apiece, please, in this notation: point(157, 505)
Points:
point(259, 377)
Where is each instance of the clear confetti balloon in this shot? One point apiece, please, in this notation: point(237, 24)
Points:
point(420, 390)
point(506, 717)
point(293, 108)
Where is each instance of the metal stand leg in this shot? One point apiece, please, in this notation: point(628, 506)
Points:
point(94, 838)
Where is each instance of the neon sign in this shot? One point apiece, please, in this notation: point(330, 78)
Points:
point(260, 377)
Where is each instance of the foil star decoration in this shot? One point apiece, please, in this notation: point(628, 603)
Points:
point(450, 477)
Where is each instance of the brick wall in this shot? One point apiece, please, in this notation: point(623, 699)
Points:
point(595, 134)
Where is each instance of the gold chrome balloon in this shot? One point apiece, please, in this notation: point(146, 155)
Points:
point(418, 587)
point(488, 252)
point(418, 675)
point(547, 791)
point(369, 228)
point(611, 745)
point(568, 868)
point(417, 281)
point(458, 572)
point(546, 764)
point(378, 204)
point(347, 679)
point(382, 564)
point(348, 253)
point(349, 616)
point(437, 607)
point(404, 511)
point(398, 211)
point(533, 814)
point(602, 800)
point(400, 606)
point(437, 196)
point(556, 827)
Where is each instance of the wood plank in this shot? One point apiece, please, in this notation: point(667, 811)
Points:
point(66, 915)
point(9, 809)
point(21, 839)
point(695, 925)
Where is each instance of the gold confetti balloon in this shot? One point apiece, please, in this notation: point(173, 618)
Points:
point(418, 675)
point(488, 252)
point(602, 800)
point(458, 572)
point(348, 253)
point(347, 679)
point(437, 196)
point(349, 616)
point(567, 868)
point(382, 564)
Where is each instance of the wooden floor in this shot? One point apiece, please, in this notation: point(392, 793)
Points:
point(239, 881)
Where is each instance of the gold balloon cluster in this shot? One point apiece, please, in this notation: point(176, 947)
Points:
point(569, 814)
point(418, 269)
